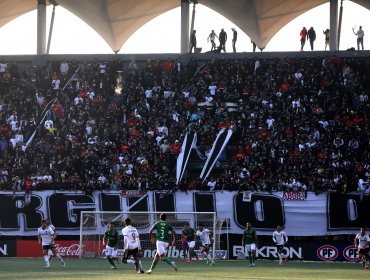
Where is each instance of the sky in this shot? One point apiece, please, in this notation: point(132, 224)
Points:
point(72, 35)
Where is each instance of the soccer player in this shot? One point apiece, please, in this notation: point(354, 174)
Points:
point(162, 229)
point(110, 240)
point(362, 241)
point(50, 225)
point(250, 242)
point(46, 238)
point(185, 247)
point(132, 246)
point(189, 233)
point(204, 235)
point(280, 238)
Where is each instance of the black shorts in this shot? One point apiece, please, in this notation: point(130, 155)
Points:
point(48, 247)
point(280, 248)
point(132, 252)
point(364, 251)
point(205, 247)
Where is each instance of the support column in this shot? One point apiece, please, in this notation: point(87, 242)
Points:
point(185, 26)
point(41, 26)
point(333, 25)
point(51, 26)
point(340, 23)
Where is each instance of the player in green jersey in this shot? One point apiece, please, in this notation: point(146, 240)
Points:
point(110, 240)
point(189, 233)
point(162, 229)
point(250, 242)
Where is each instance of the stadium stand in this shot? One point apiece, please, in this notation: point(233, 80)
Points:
point(300, 124)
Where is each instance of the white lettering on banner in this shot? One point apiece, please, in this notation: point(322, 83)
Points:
point(71, 250)
point(132, 193)
point(4, 250)
point(271, 251)
point(293, 196)
point(290, 208)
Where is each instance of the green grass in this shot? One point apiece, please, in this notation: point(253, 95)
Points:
point(86, 269)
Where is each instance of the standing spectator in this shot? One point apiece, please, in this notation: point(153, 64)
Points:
point(254, 46)
point(211, 37)
point(64, 68)
point(193, 41)
point(235, 37)
point(223, 38)
point(55, 83)
point(363, 187)
point(360, 37)
point(311, 36)
point(3, 67)
point(327, 37)
point(303, 35)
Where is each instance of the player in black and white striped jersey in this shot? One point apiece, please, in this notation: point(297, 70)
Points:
point(50, 225)
point(132, 245)
point(362, 242)
point(280, 238)
point(204, 235)
point(46, 237)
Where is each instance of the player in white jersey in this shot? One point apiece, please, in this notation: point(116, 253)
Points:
point(46, 237)
point(280, 238)
point(132, 246)
point(50, 225)
point(362, 242)
point(204, 235)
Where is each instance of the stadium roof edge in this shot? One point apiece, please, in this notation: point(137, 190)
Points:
point(117, 20)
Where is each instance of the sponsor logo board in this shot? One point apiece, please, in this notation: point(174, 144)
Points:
point(350, 253)
point(31, 248)
point(327, 253)
point(7, 248)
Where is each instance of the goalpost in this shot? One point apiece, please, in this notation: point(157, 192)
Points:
point(93, 224)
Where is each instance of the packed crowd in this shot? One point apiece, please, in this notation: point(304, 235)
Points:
point(299, 124)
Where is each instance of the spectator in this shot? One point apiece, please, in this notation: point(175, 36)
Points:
point(211, 38)
point(235, 38)
point(360, 37)
point(311, 34)
point(193, 42)
point(363, 187)
point(64, 68)
point(327, 38)
point(303, 35)
point(222, 38)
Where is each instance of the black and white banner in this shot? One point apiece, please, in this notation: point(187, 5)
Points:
point(190, 142)
point(324, 214)
point(219, 145)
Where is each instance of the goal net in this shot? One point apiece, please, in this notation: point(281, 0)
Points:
point(93, 224)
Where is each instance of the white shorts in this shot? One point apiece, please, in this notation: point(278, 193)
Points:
point(250, 247)
point(110, 251)
point(161, 247)
point(191, 244)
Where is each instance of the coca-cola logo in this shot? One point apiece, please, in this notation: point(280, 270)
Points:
point(71, 250)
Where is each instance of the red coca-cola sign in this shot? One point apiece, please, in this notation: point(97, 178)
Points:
point(31, 248)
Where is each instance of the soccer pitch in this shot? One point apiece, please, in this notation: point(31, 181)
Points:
point(23, 269)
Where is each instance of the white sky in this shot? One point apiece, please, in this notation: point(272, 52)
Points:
point(72, 35)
